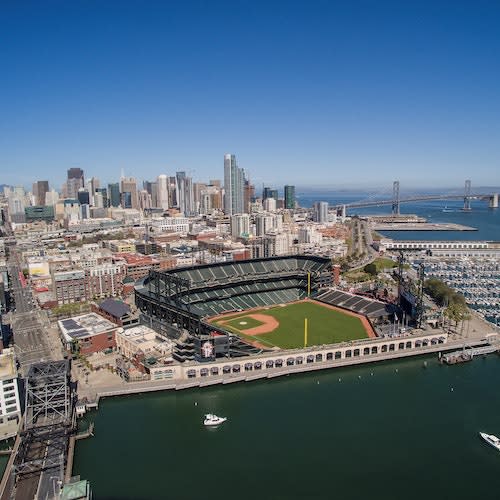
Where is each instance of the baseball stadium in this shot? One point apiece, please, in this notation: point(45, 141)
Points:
point(247, 307)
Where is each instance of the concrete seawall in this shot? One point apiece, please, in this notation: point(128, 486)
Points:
point(152, 386)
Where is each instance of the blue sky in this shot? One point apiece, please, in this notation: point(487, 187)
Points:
point(310, 93)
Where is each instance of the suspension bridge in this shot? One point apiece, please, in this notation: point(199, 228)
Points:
point(467, 195)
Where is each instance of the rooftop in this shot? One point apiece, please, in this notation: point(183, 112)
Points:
point(85, 325)
point(116, 308)
point(7, 365)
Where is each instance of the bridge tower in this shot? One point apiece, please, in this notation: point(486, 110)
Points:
point(395, 198)
point(467, 196)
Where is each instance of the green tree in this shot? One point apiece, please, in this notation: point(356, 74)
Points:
point(371, 269)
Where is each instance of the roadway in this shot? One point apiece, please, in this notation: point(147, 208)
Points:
point(32, 338)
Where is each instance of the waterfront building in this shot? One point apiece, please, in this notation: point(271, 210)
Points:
point(88, 333)
point(10, 405)
point(290, 197)
point(233, 186)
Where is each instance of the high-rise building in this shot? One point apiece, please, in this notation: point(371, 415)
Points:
point(248, 195)
point(74, 182)
point(290, 197)
point(40, 189)
point(234, 179)
point(129, 185)
point(101, 194)
point(162, 192)
point(240, 225)
point(114, 194)
point(185, 195)
point(152, 189)
point(321, 212)
point(83, 197)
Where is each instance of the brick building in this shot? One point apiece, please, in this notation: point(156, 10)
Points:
point(137, 265)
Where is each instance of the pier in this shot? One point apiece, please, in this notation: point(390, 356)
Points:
point(468, 354)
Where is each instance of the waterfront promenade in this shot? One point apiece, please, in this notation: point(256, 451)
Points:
point(120, 388)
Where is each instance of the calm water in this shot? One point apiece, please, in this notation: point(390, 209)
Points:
point(486, 220)
point(387, 431)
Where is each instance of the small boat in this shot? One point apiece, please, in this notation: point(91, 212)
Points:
point(491, 439)
point(211, 419)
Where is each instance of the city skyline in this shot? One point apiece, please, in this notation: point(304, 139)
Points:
point(327, 94)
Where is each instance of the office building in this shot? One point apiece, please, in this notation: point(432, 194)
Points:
point(321, 212)
point(290, 197)
point(74, 182)
point(40, 189)
point(114, 195)
point(128, 190)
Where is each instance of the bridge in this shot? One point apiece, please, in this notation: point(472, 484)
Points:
point(396, 199)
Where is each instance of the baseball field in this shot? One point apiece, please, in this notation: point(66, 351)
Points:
point(283, 326)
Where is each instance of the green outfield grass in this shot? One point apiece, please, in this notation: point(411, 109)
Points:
point(325, 326)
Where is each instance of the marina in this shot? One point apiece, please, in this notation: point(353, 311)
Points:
point(477, 279)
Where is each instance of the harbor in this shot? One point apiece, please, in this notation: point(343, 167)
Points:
point(415, 409)
point(477, 279)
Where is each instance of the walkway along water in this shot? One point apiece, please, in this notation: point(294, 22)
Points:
point(93, 396)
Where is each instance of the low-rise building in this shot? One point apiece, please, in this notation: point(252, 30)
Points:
point(116, 311)
point(138, 265)
point(88, 333)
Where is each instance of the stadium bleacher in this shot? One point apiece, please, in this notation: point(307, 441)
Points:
point(374, 309)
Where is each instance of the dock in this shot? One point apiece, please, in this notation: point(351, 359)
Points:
point(420, 226)
point(468, 354)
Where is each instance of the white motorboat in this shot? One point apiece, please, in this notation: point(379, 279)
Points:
point(491, 439)
point(211, 419)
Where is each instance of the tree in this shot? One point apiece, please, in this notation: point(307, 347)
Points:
point(371, 268)
point(457, 312)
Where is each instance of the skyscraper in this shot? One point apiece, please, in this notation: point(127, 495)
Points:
point(321, 211)
point(40, 189)
point(234, 179)
point(162, 190)
point(290, 197)
point(129, 185)
point(114, 194)
point(74, 182)
point(185, 195)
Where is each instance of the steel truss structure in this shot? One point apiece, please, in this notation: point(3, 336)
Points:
point(41, 449)
point(48, 394)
